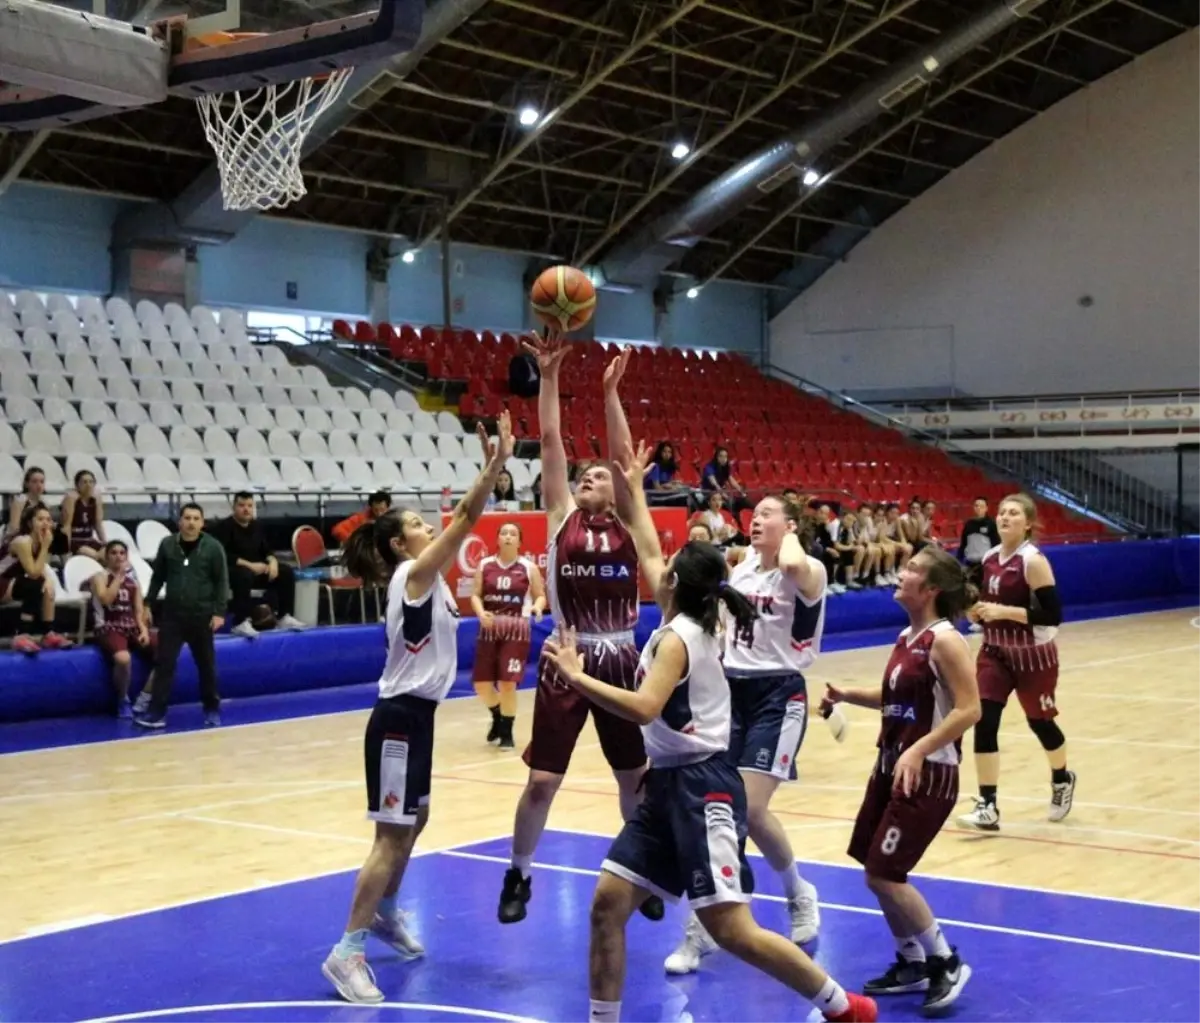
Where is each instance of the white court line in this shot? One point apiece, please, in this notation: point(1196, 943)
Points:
point(185, 1010)
point(273, 829)
point(1082, 665)
point(1076, 739)
point(224, 804)
point(250, 889)
point(144, 789)
point(935, 877)
point(944, 921)
point(1072, 694)
point(207, 733)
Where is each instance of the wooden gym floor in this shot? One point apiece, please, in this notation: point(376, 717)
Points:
point(96, 831)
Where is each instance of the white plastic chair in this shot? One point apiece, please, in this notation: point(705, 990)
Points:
point(341, 445)
point(77, 571)
point(78, 439)
point(217, 441)
point(150, 534)
point(41, 436)
point(114, 439)
point(396, 447)
point(423, 446)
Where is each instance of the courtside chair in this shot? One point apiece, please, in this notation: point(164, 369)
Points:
point(309, 548)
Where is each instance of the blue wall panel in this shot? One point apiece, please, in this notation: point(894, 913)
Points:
point(728, 316)
point(56, 240)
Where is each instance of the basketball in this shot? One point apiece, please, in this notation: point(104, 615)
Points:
point(563, 297)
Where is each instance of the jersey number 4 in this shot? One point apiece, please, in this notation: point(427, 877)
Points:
point(605, 545)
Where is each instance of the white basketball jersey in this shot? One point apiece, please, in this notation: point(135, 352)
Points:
point(422, 657)
point(697, 716)
point(787, 635)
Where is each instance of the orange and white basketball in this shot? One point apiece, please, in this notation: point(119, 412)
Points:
point(563, 297)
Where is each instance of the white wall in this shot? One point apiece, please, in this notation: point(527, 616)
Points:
point(975, 286)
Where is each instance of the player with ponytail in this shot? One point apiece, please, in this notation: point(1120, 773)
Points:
point(688, 835)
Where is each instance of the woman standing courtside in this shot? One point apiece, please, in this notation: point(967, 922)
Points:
point(422, 660)
point(927, 700)
point(689, 833)
point(1020, 613)
point(506, 594)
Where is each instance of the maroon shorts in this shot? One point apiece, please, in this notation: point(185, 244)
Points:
point(1031, 671)
point(500, 660)
point(891, 832)
point(559, 713)
point(113, 643)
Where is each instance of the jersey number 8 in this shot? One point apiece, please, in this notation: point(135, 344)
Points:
point(891, 839)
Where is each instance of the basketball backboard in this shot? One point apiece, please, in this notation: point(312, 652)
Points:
point(208, 16)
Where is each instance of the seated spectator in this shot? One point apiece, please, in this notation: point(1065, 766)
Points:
point(504, 492)
point(252, 566)
point(82, 519)
point(33, 491)
point(873, 520)
point(913, 527)
point(720, 523)
point(120, 621)
point(871, 572)
point(928, 511)
point(378, 503)
point(826, 530)
point(979, 535)
point(23, 580)
point(718, 475)
point(660, 484)
point(699, 532)
point(890, 527)
point(851, 553)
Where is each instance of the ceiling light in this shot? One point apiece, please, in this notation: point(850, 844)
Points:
point(811, 177)
point(409, 256)
point(528, 116)
point(680, 150)
point(693, 292)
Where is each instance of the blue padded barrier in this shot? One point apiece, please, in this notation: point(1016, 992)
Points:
point(1093, 579)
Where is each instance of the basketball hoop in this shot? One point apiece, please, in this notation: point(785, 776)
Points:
point(258, 135)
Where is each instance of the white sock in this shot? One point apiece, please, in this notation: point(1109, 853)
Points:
point(793, 886)
point(831, 999)
point(522, 863)
point(910, 949)
point(604, 1012)
point(934, 942)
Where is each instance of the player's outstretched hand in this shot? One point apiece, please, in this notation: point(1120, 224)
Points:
point(615, 370)
point(501, 449)
point(565, 655)
point(550, 351)
point(635, 464)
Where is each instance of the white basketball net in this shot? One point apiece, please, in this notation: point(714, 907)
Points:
point(258, 137)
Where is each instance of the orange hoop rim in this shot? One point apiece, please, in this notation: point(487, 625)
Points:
point(211, 40)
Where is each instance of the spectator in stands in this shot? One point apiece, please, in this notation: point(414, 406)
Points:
point(851, 553)
point(720, 523)
point(698, 531)
point(378, 503)
point(913, 527)
point(880, 534)
point(120, 619)
point(827, 528)
point(660, 484)
point(895, 533)
point(82, 519)
point(252, 566)
point(979, 535)
point(718, 475)
point(191, 564)
point(537, 491)
point(928, 511)
point(871, 570)
point(25, 581)
point(504, 491)
point(33, 491)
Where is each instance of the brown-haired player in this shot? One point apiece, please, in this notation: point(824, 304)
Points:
point(592, 582)
point(927, 700)
point(507, 592)
point(1020, 613)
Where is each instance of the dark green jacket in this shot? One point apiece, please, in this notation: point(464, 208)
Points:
point(198, 585)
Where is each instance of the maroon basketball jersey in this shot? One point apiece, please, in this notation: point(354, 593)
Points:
point(120, 615)
point(1004, 583)
point(83, 521)
point(915, 700)
point(504, 586)
point(592, 574)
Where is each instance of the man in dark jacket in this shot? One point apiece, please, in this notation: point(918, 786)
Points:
point(192, 567)
point(979, 536)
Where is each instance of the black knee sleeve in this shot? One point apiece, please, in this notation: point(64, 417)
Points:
point(987, 728)
point(29, 593)
point(1048, 733)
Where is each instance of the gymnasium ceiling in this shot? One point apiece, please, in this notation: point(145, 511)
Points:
point(572, 192)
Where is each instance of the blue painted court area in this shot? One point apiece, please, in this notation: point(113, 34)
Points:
point(256, 955)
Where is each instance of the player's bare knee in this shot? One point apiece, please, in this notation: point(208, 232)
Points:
point(542, 786)
point(879, 885)
point(612, 903)
point(121, 658)
point(629, 781)
point(730, 925)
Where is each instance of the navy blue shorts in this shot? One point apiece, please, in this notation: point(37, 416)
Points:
point(398, 753)
point(688, 836)
point(770, 717)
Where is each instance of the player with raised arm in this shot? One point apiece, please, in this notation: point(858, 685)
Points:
point(770, 702)
point(689, 833)
point(1020, 613)
point(592, 583)
point(927, 700)
point(399, 548)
